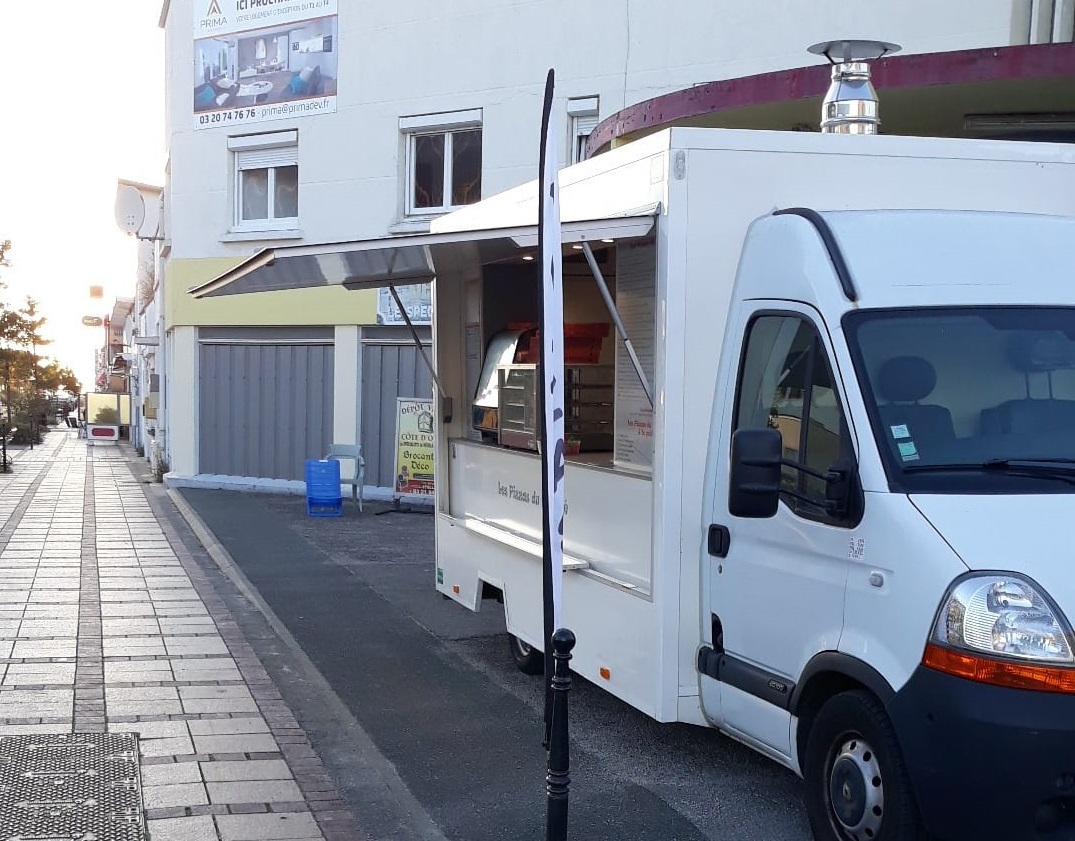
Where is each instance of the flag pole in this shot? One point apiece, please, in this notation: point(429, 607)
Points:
point(558, 640)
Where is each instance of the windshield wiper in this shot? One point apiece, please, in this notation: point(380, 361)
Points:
point(1045, 468)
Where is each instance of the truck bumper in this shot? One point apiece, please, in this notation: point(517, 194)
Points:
point(987, 761)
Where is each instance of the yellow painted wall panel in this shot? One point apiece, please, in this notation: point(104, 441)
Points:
point(323, 305)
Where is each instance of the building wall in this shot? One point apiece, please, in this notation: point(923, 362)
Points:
point(347, 381)
point(182, 399)
point(399, 60)
point(314, 306)
point(424, 57)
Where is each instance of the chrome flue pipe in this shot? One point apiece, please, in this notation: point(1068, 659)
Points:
point(851, 104)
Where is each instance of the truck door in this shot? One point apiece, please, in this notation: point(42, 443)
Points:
point(776, 586)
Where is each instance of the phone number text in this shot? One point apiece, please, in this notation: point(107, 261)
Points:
point(236, 115)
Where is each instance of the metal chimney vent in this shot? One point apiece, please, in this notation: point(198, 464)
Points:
point(850, 105)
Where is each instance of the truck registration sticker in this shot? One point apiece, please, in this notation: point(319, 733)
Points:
point(900, 431)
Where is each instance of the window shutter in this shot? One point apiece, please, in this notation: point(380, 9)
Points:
point(266, 158)
point(584, 126)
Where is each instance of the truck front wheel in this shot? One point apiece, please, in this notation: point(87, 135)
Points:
point(857, 787)
point(529, 660)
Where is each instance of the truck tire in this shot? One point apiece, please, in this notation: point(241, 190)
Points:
point(857, 787)
point(529, 660)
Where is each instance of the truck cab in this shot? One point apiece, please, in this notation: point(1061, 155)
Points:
point(885, 570)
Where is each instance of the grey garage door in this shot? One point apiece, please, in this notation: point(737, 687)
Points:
point(265, 400)
point(390, 369)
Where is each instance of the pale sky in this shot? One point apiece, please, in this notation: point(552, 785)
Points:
point(83, 98)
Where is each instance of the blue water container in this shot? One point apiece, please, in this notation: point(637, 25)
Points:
point(323, 497)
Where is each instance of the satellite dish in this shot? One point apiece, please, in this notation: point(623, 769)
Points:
point(130, 209)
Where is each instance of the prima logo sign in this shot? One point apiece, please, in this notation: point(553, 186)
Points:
point(214, 16)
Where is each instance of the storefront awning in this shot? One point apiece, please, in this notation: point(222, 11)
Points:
point(397, 261)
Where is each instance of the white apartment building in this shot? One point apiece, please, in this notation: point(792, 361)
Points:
point(293, 123)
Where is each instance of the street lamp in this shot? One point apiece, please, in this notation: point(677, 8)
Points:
point(5, 345)
point(32, 403)
point(33, 391)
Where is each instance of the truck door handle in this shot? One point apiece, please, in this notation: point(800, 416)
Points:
point(719, 538)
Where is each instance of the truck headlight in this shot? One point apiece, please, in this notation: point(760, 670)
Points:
point(1003, 615)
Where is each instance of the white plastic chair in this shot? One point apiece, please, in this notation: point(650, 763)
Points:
point(351, 451)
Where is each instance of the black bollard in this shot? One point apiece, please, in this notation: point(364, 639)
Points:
point(558, 781)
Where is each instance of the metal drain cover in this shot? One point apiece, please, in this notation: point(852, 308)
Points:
point(70, 787)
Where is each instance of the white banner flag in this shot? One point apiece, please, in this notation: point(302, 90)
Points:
point(552, 362)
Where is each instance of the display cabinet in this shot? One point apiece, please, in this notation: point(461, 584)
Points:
point(517, 412)
point(588, 407)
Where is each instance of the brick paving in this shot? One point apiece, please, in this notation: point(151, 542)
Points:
point(107, 624)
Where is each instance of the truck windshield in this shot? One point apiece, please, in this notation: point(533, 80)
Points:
point(972, 399)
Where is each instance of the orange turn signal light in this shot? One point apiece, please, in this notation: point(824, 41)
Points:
point(999, 672)
point(606, 673)
point(455, 589)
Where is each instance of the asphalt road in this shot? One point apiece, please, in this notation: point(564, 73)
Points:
point(429, 729)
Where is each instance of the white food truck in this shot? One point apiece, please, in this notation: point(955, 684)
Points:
point(837, 530)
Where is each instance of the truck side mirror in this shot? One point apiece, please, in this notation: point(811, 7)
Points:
point(754, 482)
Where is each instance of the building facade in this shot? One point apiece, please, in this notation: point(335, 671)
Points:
point(330, 121)
point(139, 213)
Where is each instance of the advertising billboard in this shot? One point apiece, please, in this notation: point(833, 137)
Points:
point(262, 60)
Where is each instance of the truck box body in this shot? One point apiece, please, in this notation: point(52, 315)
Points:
point(635, 541)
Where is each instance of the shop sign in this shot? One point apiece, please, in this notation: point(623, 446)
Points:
point(417, 299)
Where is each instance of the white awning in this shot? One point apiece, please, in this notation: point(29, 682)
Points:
point(397, 261)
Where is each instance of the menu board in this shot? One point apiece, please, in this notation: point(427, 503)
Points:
point(636, 301)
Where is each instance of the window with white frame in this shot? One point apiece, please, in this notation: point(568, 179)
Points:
point(582, 114)
point(266, 186)
point(444, 161)
point(1052, 21)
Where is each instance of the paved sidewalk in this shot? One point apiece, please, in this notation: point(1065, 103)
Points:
point(107, 625)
